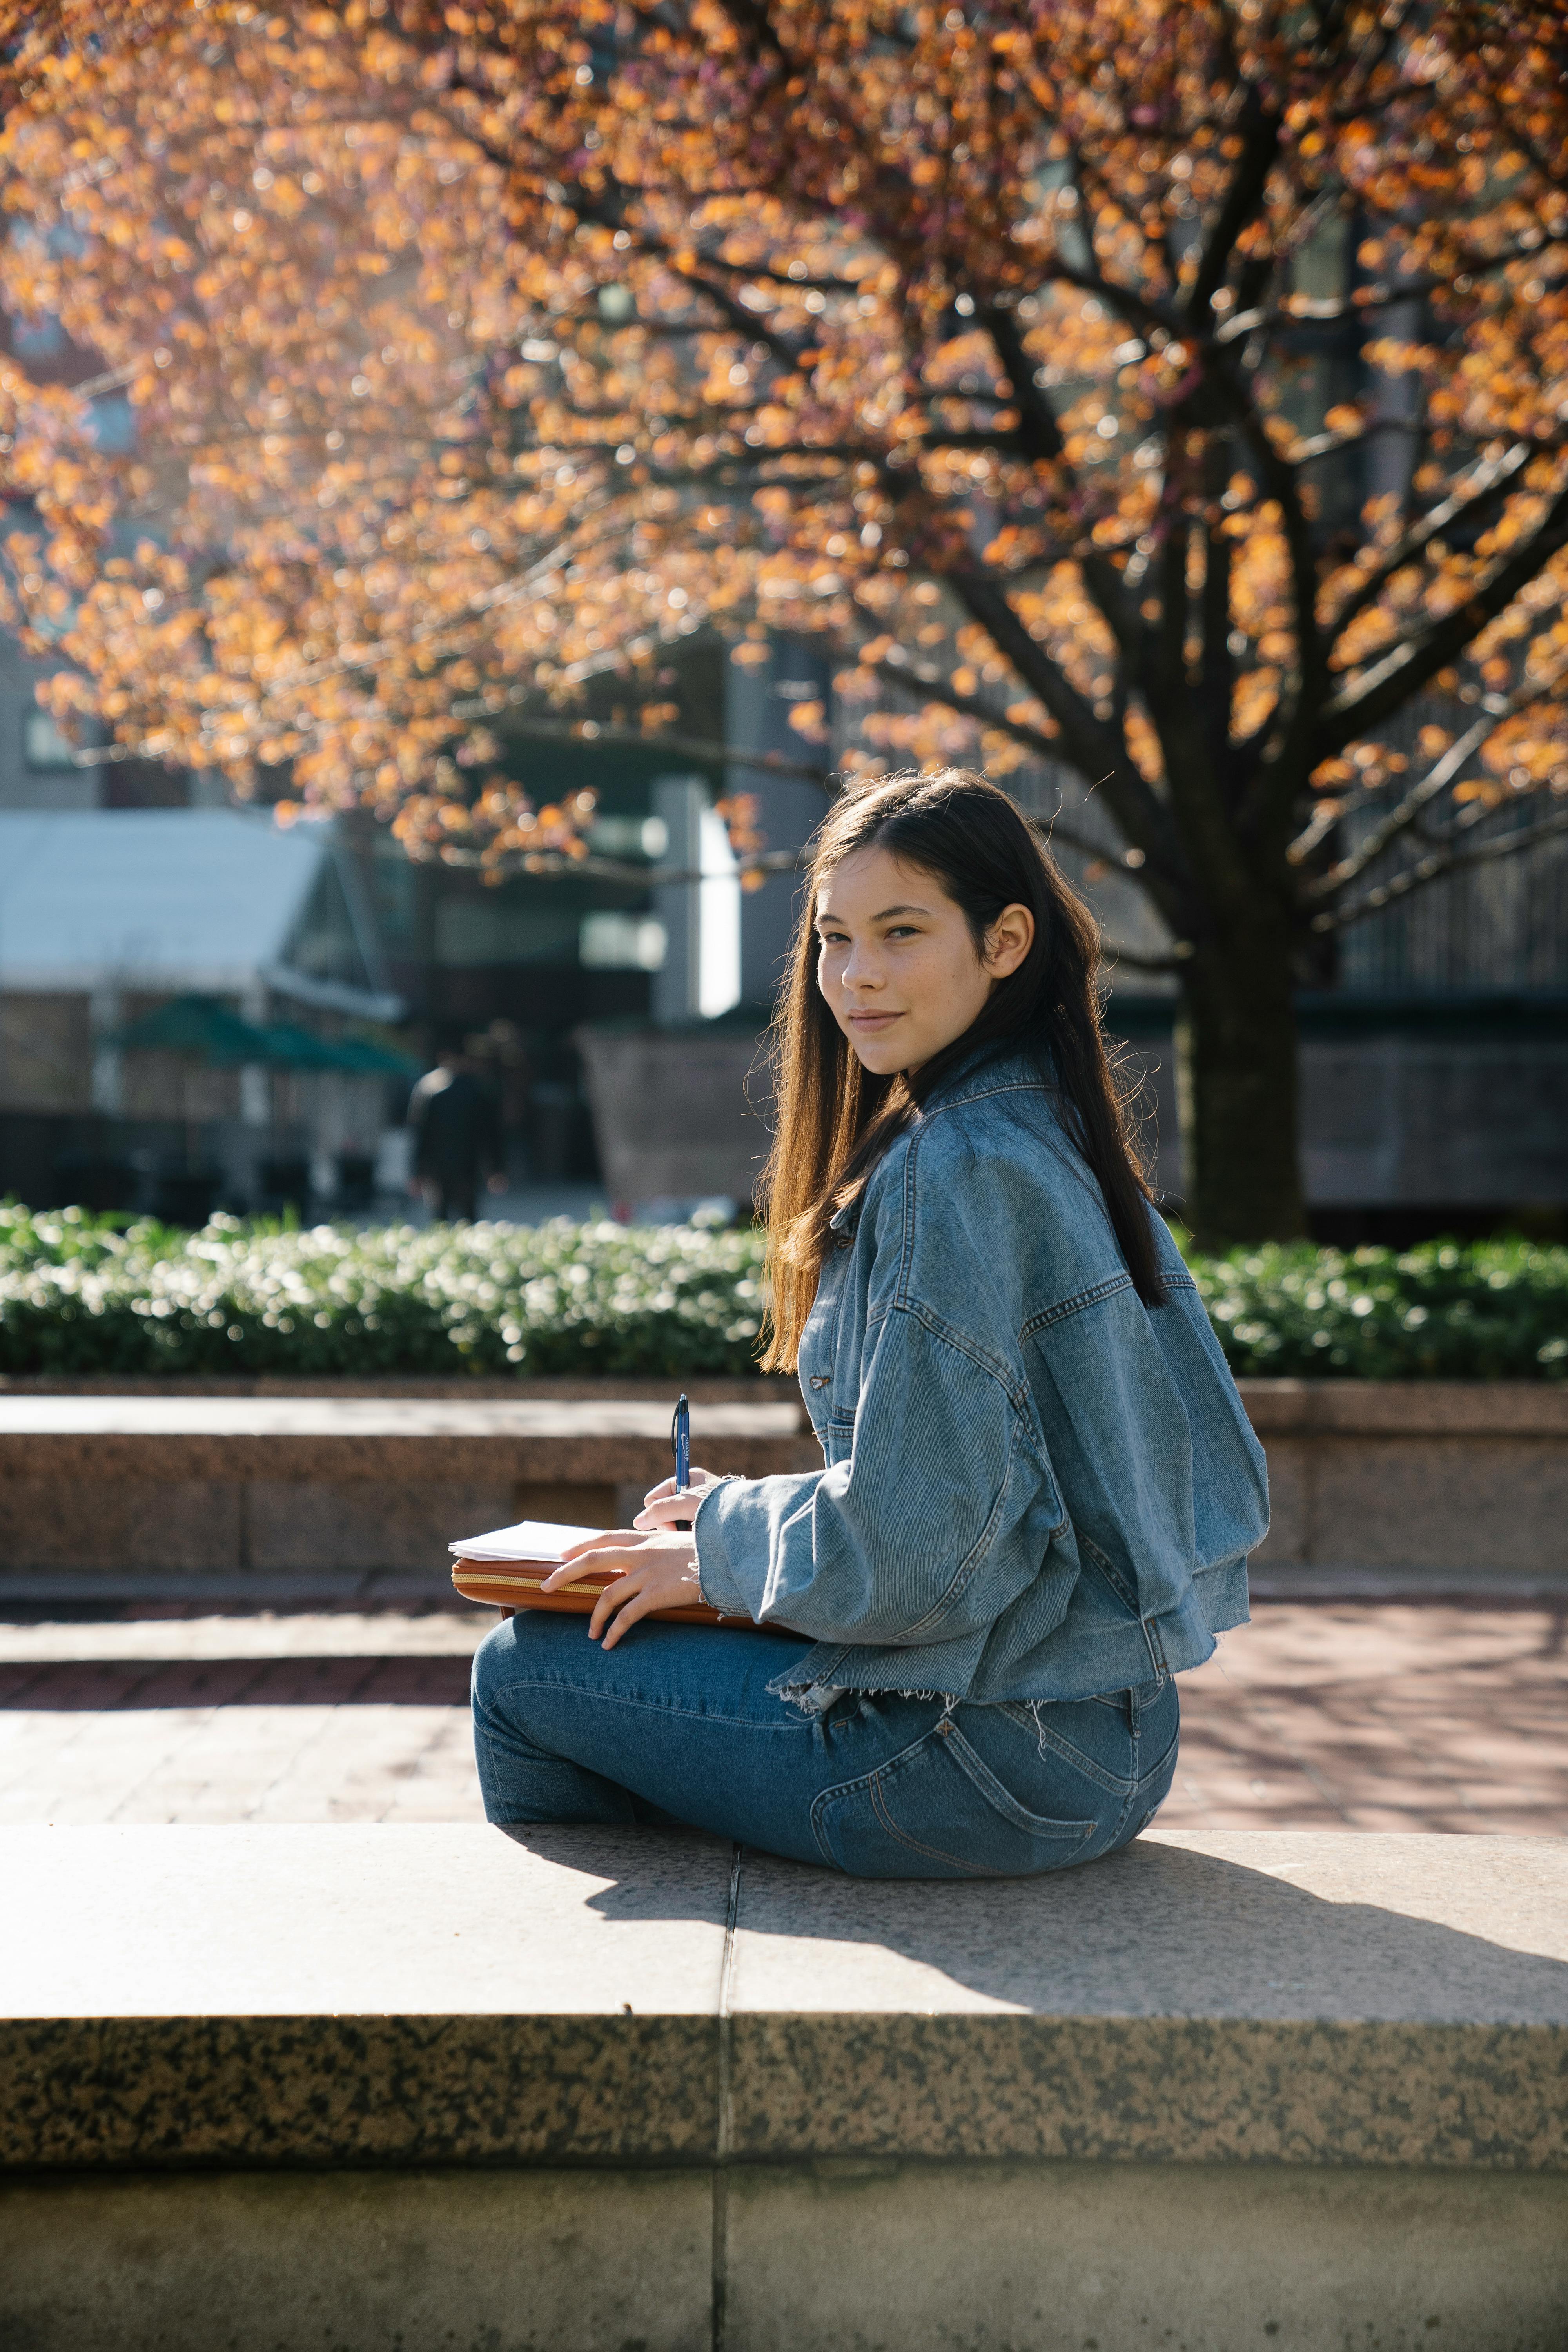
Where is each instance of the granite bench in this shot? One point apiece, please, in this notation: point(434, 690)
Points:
point(582, 2090)
point(1454, 1482)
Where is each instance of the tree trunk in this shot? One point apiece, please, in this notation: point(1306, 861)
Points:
point(1236, 1083)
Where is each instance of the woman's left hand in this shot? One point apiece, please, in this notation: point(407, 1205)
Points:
point(654, 1572)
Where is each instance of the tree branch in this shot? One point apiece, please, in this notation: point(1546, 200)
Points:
point(1334, 444)
point(1112, 951)
point(617, 869)
point(1391, 682)
point(1280, 480)
point(1088, 744)
point(1494, 711)
point(1436, 780)
point(1199, 813)
point(927, 678)
point(689, 747)
point(1326, 311)
point(1433, 869)
point(1492, 476)
point(1260, 145)
point(898, 670)
point(1040, 437)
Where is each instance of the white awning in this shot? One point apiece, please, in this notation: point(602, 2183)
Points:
point(161, 900)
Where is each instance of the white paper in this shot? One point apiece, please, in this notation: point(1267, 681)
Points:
point(529, 1539)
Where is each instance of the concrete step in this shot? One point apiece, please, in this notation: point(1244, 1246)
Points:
point(579, 2088)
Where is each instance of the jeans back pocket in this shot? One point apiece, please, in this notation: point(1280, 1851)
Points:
point(937, 1810)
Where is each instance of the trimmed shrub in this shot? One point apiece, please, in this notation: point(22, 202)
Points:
point(79, 1296)
point(1444, 1311)
point(82, 1295)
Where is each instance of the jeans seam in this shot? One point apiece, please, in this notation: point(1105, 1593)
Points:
point(790, 1719)
point(482, 1733)
point(1030, 1824)
point(1041, 1738)
point(1155, 1770)
point(1113, 1783)
point(1135, 1734)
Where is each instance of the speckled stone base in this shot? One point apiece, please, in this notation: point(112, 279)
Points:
point(347, 1995)
point(446, 2087)
point(830, 2257)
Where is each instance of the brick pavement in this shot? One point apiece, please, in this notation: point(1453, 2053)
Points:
point(1439, 1715)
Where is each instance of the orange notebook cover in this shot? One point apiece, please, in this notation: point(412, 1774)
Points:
point(507, 1568)
point(517, 1584)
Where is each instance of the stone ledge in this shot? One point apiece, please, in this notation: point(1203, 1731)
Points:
point(1527, 1408)
point(1446, 1479)
point(758, 1388)
point(1460, 1409)
point(284, 1485)
point(235, 1439)
point(339, 1997)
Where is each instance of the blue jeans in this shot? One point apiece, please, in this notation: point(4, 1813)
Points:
point(675, 1725)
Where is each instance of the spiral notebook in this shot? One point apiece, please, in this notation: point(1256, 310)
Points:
point(506, 1568)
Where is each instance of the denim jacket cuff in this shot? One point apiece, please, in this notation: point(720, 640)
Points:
point(714, 1573)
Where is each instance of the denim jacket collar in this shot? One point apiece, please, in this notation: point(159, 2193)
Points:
point(1002, 1061)
point(999, 1060)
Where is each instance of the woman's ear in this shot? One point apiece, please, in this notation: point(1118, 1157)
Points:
point(1008, 941)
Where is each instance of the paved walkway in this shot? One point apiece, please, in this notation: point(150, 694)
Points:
point(1437, 1715)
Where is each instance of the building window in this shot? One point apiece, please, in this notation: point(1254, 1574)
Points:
point(615, 942)
point(43, 745)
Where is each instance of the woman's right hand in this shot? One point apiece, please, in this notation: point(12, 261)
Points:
point(666, 1505)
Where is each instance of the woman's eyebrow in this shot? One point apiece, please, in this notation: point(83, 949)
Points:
point(827, 915)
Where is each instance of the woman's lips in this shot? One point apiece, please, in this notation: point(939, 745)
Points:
point(874, 1020)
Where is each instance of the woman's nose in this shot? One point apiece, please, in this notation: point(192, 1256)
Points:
point(860, 969)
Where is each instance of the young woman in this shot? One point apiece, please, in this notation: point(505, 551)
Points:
point(953, 1645)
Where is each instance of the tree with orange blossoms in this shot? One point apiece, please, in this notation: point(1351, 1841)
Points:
point(1177, 393)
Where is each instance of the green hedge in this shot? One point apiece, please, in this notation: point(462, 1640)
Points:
point(76, 1295)
point(1445, 1311)
point(84, 1295)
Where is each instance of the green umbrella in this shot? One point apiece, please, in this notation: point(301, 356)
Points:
point(205, 1030)
point(291, 1047)
point(288, 1047)
point(198, 1026)
point(375, 1061)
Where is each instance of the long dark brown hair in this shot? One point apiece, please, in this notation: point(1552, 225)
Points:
point(836, 1119)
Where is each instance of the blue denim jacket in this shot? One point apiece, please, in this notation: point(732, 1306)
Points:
point(1035, 1487)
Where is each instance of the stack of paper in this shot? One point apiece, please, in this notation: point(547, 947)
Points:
point(529, 1539)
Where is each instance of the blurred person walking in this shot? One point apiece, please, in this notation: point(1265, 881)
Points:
point(457, 1136)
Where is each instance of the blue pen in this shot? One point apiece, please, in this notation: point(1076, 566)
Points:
point(680, 1445)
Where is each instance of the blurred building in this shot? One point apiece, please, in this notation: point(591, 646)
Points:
point(143, 952)
point(620, 1010)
